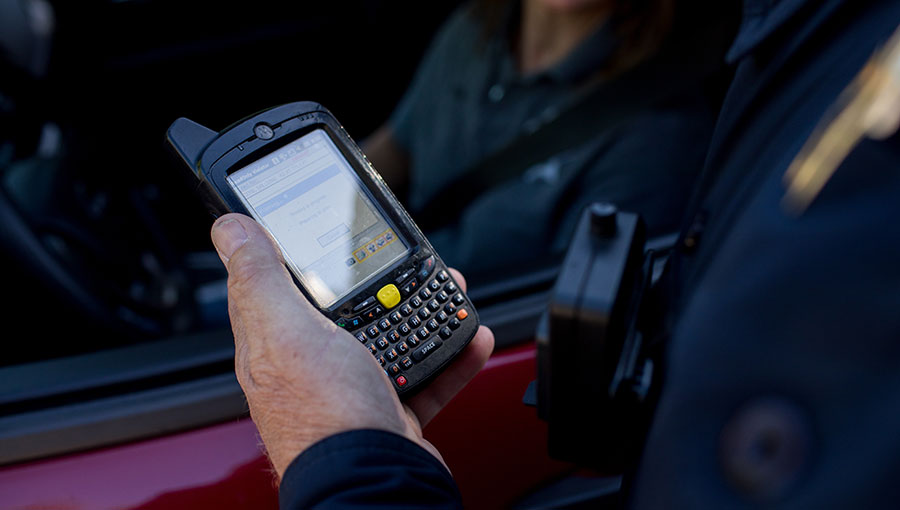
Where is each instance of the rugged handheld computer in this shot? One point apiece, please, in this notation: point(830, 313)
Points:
point(353, 250)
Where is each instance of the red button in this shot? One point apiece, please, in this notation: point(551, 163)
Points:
point(401, 380)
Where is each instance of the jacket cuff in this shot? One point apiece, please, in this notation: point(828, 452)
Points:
point(367, 468)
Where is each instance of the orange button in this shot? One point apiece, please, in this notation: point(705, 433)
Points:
point(462, 314)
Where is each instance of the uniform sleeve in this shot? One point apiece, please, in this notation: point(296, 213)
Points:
point(368, 469)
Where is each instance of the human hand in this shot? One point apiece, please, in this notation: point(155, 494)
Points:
point(304, 378)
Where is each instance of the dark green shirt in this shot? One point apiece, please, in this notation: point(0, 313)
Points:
point(468, 100)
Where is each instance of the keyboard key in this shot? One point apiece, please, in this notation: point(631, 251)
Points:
point(422, 334)
point(433, 305)
point(414, 322)
point(394, 370)
point(450, 287)
point(450, 308)
point(432, 325)
point(445, 332)
point(404, 329)
point(409, 288)
point(384, 324)
point(415, 302)
point(443, 276)
point(369, 301)
point(424, 314)
point(425, 269)
point(406, 363)
point(373, 350)
point(426, 349)
point(408, 272)
point(391, 355)
point(461, 314)
point(458, 300)
point(442, 317)
point(372, 313)
point(393, 336)
point(402, 348)
point(395, 317)
point(442, 297)
point(400, 380)
point(389, 296)
point(406, 310)
point(361, 337)
point(434, 286)
point(382, 343)
point(454, 323)
point(372, 331)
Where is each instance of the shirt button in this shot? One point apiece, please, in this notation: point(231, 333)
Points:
point(765, 448)
point(496, 93)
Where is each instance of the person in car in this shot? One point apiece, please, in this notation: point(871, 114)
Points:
point(526, 111)
point(781, 384)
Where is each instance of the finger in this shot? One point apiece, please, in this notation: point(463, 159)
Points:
point(260, 290)
point(460, 279)
point(439, 392)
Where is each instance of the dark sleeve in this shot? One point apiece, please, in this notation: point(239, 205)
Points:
point(369, 469)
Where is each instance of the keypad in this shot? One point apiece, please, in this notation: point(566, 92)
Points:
point(432, 308)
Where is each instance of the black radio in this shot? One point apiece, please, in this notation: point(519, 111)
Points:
point(596, 384)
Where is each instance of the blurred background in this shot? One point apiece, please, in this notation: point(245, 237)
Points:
point(104, 241)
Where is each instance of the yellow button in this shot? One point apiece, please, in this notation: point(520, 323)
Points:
point(389, 296)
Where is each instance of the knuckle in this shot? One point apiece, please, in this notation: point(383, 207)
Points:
point(247, 273)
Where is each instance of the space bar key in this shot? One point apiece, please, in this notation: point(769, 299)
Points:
point(425, 349)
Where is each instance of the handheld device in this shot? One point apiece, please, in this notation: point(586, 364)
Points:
point(353, 250)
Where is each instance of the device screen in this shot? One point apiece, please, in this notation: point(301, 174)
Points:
point(331, 232)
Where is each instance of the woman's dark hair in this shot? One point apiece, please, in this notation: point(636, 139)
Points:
point(641, 26)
